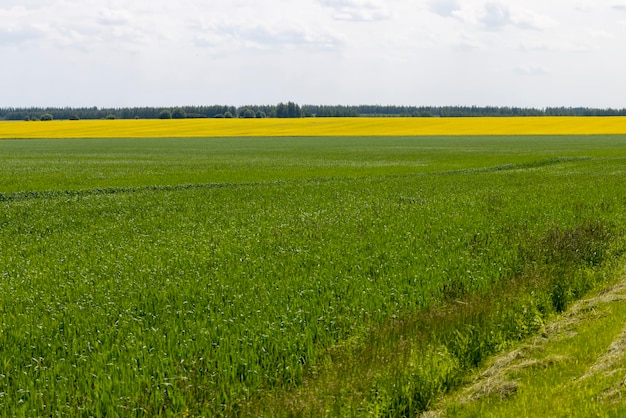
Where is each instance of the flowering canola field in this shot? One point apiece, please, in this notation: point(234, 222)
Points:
point(187, 128)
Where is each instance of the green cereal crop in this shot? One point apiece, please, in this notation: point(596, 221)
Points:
point(201, 277)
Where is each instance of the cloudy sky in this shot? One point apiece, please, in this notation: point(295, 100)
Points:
point(121, 53)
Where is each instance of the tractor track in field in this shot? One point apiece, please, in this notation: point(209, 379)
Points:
point(57, 194)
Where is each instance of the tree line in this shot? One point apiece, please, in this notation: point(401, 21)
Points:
point(292, 110)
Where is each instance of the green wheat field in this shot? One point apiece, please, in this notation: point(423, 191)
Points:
point(309, 276)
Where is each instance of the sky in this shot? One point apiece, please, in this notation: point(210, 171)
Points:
point(120, 53)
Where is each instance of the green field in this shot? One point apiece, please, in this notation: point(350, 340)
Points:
point(288, 276)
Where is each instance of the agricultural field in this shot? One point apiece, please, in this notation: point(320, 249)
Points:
point(281, 275)
point(186, 128)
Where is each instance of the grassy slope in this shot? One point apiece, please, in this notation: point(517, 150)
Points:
point(575, 368)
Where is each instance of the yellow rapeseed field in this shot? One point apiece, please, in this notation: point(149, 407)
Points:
point(314, 127)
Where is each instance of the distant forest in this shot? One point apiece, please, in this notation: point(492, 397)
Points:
point(292, 110)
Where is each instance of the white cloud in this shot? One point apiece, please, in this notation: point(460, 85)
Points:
point(24, 4)
point(358, 10)
point(224, 36)
point(496, 15)
point(445, 8)
point(528, 19)
point(109, 17)
point(554, 45)
point(313, 51)
point(466, 41)
point(16, 37)
point(601, 35)
point(532, 70)
point(15, 27)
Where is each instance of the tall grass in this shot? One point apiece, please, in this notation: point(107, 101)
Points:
point(207, 300)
